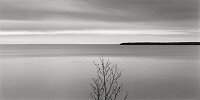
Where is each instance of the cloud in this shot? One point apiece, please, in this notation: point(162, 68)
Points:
point(38, 15)
point(40, 9)
point(126, 10)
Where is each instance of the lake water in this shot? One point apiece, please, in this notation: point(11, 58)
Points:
point(64, 71)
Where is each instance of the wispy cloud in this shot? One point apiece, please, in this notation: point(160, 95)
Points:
point(65, 15)
point(176, 11)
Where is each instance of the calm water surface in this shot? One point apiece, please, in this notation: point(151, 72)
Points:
point(63, 72)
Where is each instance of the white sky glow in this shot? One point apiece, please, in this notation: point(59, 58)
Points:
point(112, 32)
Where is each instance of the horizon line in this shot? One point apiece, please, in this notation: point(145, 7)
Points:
point(122, 43)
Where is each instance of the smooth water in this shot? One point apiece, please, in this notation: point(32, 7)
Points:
point(64, 71)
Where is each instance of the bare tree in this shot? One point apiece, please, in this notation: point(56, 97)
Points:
point(105, 85)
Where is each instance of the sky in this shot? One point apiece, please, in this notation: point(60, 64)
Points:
point(144, 20)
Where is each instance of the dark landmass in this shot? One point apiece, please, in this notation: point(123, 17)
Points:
point(161, 43)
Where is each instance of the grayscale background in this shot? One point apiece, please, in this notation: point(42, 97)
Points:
point(47, 47)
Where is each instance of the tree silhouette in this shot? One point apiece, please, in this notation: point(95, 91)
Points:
point(105, 85)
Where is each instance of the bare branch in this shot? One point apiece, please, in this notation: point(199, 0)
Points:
point(105, 86)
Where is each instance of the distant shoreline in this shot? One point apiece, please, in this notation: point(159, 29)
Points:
point(160, 43)
point(125, 43)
